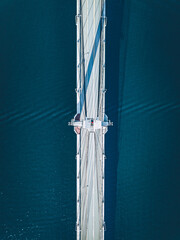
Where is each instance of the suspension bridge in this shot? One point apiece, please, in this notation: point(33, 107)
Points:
point(90, 123)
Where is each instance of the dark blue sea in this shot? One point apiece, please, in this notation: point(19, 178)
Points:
point(37, 99)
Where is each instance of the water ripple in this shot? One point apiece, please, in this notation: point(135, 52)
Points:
point(149, 107)
point(48, 114)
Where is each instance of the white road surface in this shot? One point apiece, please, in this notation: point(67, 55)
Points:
point(90, 21)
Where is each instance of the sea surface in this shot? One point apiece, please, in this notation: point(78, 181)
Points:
point(37, 99)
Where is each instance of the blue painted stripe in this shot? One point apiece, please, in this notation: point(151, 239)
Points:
point(91, 62)
point(90, 65)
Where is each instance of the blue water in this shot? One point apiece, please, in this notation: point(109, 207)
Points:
point(37, 148)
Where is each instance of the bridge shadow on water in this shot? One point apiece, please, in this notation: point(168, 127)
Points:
point(114, 99)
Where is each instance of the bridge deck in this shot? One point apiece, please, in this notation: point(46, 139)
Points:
point(90, 22)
